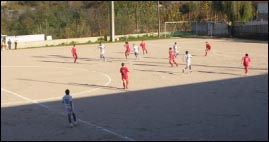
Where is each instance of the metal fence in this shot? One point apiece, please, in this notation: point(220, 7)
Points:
point(251, 31)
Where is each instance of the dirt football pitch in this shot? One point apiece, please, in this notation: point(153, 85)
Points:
point(216, 101)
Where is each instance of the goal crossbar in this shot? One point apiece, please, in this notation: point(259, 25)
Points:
point(173, 22)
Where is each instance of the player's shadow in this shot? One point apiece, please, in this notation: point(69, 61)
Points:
point(145, 65)
point(79, 58)
point(68, 57)
point(211, 72)
point(166, 72)
point(157, 63)
point(154, 64)
point(119, 52)
point(64, 62)
point(71, 83)
point(153, 57)
point(230, 67)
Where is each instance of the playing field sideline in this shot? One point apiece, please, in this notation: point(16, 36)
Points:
point(214, 102)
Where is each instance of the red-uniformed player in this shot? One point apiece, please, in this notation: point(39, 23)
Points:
point(143, 46)
point(124, 75)
point(128, 49)
point(208, 48)
point(74, 53)
point(246, 62)
point(172, 57)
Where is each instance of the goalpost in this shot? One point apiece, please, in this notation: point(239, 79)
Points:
point(176, 27)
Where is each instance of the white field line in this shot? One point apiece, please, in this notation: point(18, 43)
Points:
point(83, 121)
point(87, 91)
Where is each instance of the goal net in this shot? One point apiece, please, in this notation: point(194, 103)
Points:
point(178, 28)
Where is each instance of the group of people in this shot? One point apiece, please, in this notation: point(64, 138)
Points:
point(102, 50)
point(173, 53)
point(245, 60)
point(135, 49)
point(187, 57)
point(4, 45)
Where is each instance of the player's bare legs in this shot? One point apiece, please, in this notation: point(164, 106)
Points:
point(126, 54)
point(246, 70)
point(75, 58)
point(127, 82)
point(171, 62)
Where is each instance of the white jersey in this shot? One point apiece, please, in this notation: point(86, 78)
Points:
point(136, 50)
point(188, 58)
point(102, 49)
point(67, 100)
point(175, 48)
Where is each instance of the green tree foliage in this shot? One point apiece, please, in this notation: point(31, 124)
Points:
point(190, 11)
point(235, 11)
point(70, 19)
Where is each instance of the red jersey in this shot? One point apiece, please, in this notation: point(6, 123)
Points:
point(246, 60)
point(128, 49)
point(143, 45)
point(171, 55)
point(124, 72)
point(208, 46)
point(74, 50)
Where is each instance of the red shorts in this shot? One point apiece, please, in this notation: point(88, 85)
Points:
point(124, 77)
point(172, 57)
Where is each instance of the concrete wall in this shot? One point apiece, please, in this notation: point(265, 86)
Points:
point(70, 40)
point(251, 31)
point(220, 29)
point(27, 38)
point(200, 28)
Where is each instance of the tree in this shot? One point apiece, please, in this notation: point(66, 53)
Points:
point(238, 11)
point(70, 19)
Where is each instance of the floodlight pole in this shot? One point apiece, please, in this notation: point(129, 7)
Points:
point(112, 22)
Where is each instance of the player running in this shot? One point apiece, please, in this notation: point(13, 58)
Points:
point(176, 53)
point(172, 58)
point(143, 46)
point(124, 75)
point(187, 57)
point(128, 49)
point(74, 53)
point(208, 48)
point(246, 62)
point(67, 101)
point(136, 51)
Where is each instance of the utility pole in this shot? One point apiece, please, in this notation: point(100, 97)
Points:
point(112, 23)
point(159, 24)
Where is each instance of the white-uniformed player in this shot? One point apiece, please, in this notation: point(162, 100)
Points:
point(67, 101)
point(136, 50)
point(187, 57)
point(175, 48)
point(102, 51)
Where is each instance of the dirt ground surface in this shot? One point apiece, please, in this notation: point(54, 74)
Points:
point(216, 101)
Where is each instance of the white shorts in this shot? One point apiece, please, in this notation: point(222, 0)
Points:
point(188, 63)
